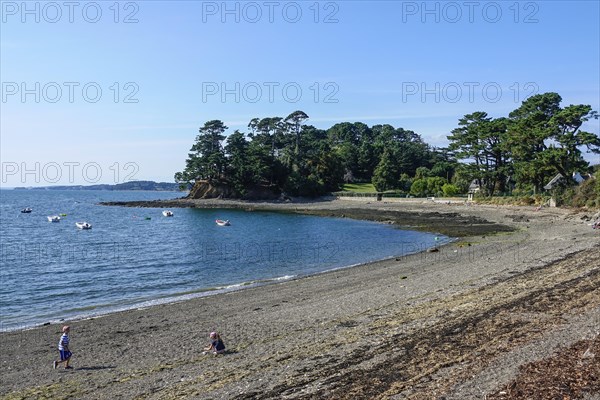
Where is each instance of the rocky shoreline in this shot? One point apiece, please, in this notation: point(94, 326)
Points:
point(473, 320)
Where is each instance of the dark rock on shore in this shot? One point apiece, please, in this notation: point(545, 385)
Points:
point(219, 189)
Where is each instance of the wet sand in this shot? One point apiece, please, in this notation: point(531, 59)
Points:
point(519, 286)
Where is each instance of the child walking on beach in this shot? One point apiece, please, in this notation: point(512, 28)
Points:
point(216, 344)
point(63, 349)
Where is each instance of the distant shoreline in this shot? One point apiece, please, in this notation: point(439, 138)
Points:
point(125, 186)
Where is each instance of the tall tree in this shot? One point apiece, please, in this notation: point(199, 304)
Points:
point(564, 152)
point(546, 139)
point(239, 172)
point(528, 132)
point(269, 137)
point(207, 158)
point(345, 139)
point(294, 123)
point(386, 175)
point(480, 139)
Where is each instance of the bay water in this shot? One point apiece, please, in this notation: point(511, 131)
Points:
point(136, 257)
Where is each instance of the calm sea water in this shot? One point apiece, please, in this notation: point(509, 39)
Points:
point(53, 271)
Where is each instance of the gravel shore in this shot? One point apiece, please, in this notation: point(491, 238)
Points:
point(519, 286)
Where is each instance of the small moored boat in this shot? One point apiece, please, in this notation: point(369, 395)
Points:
point(83, 225)
point(54, 218)
point(26, 210)
point(168, 213)
point(222, 222)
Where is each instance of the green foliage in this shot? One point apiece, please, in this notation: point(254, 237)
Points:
point(419, 188)
point(481, 139)
point(503, 155)
point(546, 139)
point(431, 186)
point(302, 185)
point(422, 173)
point(449, 190)
point(207, 157)
point(379, 154)
point(462, 178)
point(585, 195)
point(538, 140)
point(435, 185)
point(385, 176)
point(318, 172)
point(443, 169)
point(238, 168)
point(404, 183)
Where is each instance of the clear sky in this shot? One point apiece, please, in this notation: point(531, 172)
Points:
point(106, 92)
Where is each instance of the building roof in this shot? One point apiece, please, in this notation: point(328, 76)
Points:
point(554, 181)
point(474, 186)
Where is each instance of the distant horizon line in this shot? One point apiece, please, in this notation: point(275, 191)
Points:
point(85, 185)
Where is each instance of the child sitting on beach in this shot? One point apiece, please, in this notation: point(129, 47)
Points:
point(216, 344)
point(63, 349)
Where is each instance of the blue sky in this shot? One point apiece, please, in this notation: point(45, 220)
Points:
point(104, 92)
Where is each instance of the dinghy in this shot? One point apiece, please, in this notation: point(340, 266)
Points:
point(83, 225)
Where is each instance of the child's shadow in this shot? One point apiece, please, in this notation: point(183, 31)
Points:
point(224, 353)
point(96, 368)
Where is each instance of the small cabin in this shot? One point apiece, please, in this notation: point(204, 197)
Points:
point(473, 189)
point(577, 177)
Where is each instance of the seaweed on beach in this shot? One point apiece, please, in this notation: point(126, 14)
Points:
point(429, 362)
point(447, 223)
point(570, 374)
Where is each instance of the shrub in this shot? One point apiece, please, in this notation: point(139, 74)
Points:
point(422, 173)
point(522, 192)
point(527, 200)
point(419, 188)
point(405, 183)
point(584, 195)
point(428, 187)
point(449, 190)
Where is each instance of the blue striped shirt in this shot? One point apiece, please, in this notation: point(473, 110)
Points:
point(63, 342)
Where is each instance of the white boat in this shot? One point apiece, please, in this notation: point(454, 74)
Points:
point(54, 218)
point(222, 222)
point(26, 210)
point(83, 225)
point(168, 213)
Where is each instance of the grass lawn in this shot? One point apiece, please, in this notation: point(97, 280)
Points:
point(359, 188)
